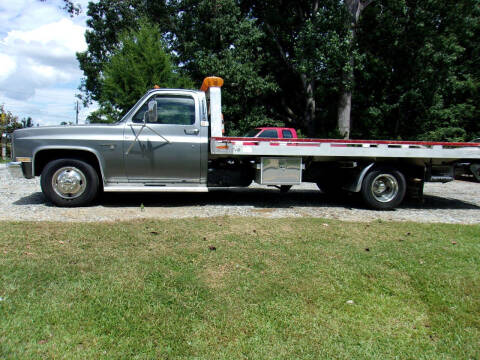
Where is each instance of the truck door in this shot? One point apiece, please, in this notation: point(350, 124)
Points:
point(168, 150)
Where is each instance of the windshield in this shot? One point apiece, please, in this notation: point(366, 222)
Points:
point(132, 108)
point(252, 133)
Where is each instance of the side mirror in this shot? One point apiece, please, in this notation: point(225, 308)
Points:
point(152, 111)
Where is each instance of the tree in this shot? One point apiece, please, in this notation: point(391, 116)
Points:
point(138, 62)
point(8, 124)
point(306, 46)
point(8, 121)
point(418, 79)
point(70, 7)
point(107, 19)
point(227, 44)
point(275, 67)
point(215, 37)
point(411, 65)
point(27, 122)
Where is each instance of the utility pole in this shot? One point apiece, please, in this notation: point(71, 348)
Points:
point(76, 116)
point(3, 136)
point(4, 146)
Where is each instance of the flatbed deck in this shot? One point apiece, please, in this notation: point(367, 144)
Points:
point(344, 148)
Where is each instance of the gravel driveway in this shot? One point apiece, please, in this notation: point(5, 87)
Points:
point(455, 202)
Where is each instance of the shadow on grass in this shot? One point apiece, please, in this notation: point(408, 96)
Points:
point(256, 198)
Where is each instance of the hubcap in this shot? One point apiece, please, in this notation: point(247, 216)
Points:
point(385, 188)
point(69, 182)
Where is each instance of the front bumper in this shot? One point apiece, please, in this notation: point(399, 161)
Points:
point(15, 169)
point(19, 169)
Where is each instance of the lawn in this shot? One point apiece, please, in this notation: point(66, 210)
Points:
point(239, 288)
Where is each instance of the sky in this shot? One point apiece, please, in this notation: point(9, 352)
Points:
point(39, 72)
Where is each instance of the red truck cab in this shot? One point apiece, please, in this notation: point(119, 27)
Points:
point(273, 133)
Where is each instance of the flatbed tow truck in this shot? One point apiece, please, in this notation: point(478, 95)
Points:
point(172, 140)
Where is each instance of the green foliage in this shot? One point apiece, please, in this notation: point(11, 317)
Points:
point(306, 46)
point(416, 63)
point(137, 64)
point(419, 73)
point(453, 134)
point(214, 37)
point(9, 122)
point(322, 44)
point(105, 114)
point(106, 20)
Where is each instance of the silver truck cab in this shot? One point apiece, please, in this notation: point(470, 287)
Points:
point(161, 142)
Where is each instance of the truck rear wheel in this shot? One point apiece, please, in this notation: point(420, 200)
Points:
point(383, 188)
point(69, 182)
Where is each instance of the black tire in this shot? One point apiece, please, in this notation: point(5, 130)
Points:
point(78, 176)
point(285, 188)
point(383, 188)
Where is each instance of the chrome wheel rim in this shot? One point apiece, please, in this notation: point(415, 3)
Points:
point(69, 182)
point(384, 188)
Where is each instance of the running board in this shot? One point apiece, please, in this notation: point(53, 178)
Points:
point(123, 188)
point(441, 179)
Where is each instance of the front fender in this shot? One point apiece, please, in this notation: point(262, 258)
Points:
point(100, 160)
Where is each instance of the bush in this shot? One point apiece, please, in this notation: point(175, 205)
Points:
point(450, 134)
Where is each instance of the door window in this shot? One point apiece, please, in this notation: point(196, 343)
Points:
point(171, 110)
point(287, 134)
point(268, 134)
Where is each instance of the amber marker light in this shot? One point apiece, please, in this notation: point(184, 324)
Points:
point(211, 81)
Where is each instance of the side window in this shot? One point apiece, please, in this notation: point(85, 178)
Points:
point(138, 117)
point(268, 134)
point(287, 134)
point(171, 110)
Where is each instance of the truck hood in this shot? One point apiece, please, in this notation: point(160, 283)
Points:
point(62, 130)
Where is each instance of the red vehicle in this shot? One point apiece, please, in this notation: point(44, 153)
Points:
point(273, 133)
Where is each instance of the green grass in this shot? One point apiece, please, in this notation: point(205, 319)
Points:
point(272, 289)
point(4, 161)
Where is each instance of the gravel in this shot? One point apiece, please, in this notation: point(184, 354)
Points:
point(455, 202)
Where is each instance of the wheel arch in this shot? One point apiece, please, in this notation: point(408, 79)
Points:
point(44, 155)
point(407, 169)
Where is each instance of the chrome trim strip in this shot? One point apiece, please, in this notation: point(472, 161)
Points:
point(155, 189)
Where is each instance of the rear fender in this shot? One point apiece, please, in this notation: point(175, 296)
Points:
point(356, 184)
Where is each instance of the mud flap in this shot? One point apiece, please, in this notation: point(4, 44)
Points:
point(415, 190)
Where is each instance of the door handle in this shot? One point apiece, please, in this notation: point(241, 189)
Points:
point(192, 131)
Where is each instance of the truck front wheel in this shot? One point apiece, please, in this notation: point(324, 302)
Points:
point(69, 182)
point(383, 188)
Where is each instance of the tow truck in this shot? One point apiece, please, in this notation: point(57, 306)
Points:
point(172, 141)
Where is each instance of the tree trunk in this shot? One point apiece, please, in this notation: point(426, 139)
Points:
point(344, 110)
point(345, 102)
point(355, 8)
point(310, 106)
